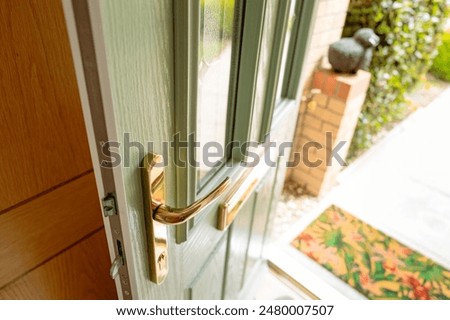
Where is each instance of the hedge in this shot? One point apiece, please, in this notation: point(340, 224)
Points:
point(410, 32)
point(441, 64)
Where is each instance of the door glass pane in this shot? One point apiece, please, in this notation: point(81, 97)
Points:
point(216, 26)
point(287, 40)
point(263, 67)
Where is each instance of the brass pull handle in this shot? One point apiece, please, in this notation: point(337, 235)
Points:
point(243, 188)
point(235, 200)
point(158, 215)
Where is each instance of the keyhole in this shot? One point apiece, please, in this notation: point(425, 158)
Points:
point(161, 260)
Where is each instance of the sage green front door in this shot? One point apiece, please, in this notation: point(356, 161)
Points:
point(212, 87)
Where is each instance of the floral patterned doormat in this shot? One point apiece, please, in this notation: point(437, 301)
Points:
point(373, 263)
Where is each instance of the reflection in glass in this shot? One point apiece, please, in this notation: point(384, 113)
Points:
point(216, 26)
point(263, 67)
point(285, 51)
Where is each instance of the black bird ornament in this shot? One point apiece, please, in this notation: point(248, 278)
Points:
point(348, 55)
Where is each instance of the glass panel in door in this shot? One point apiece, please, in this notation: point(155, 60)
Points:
point(284, 57)
point(215, 51)
point(263, 67)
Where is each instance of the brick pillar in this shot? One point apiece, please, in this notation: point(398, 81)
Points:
point(329, 115)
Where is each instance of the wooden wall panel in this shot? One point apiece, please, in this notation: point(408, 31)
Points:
point(43, 227)
point(81, 272)
point(42, 136)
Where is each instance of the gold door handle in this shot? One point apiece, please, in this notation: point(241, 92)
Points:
point(153, 182)
point(173, 216)
point(158, 215)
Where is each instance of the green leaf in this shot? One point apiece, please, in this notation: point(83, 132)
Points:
point(379, 273)
point(328, 266)
point(356, 278)
point(366, 260)
point(432, 272)
point(333, 238)
point(348, 259)
point(389, 293)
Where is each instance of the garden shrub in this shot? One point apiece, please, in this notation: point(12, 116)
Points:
point(410, 32)
point(441, 64)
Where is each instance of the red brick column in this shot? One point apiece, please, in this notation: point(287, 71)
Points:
point(329, 115)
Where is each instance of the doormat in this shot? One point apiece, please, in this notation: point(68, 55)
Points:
point(373, 263)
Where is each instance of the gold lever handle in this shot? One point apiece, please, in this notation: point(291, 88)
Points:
point(158, 215)
point(173, 216)
point(154, 178)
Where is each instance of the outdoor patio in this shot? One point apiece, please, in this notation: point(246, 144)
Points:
point(400, 186)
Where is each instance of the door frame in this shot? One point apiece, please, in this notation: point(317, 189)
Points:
point(90, 61)
point(89, 57)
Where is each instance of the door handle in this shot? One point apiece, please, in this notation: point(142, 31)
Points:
point(158, 215)
point(242, 190)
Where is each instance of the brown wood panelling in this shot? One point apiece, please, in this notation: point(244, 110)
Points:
point(39, 229)
point(81, 272)
point(42, 136)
